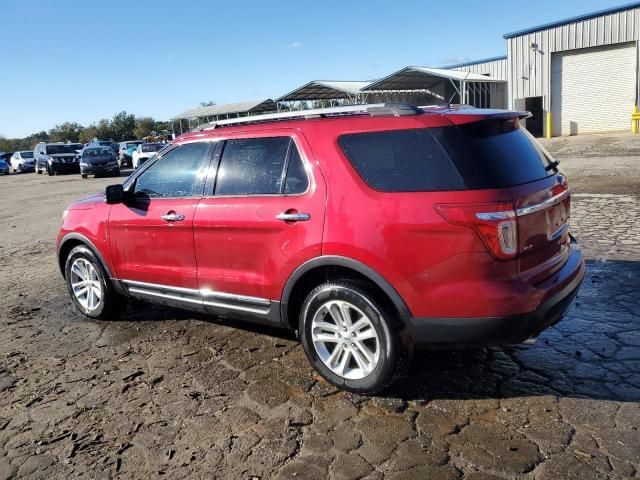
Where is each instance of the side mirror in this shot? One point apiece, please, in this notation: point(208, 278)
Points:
point(114, 194)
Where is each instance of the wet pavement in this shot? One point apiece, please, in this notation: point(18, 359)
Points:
point(162, 391)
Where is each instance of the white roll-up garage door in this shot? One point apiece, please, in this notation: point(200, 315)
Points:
point(593, 89)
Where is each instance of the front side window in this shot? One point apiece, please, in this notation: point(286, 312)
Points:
point(255, 166)
point(178, 173)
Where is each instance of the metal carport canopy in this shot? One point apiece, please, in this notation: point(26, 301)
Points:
point(324, 90)
point(253, 106)
point(425, 78)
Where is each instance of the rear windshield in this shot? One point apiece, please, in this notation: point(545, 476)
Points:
point(479, 155)
point(26, 154)
point(495, 153)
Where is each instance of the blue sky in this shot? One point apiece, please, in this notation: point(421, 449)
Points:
point(82, 61)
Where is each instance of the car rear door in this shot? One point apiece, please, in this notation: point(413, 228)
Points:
point(151, 235)
point(263, 218)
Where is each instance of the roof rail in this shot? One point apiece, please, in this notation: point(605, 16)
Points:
point(373, 109)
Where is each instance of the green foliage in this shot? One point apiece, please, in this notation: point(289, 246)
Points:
point(123, 126)
point(66, 132)
point(144, 126)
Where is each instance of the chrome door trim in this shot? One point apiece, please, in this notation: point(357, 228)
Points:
point(203, 297)
point(520, 212)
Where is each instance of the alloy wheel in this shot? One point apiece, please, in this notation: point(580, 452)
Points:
point(345, 339)
point(86, 284)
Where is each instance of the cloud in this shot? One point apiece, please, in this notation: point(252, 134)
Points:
point(454, 60)
point(294, 44)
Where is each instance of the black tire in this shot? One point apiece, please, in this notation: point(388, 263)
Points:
point(83, 175)
point(111, 302)
point(49, 171)
point(38, 170)
point(393, 353)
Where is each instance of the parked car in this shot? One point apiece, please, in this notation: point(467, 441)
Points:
point(4, 167)
point(144, 152)
point(55, 158)
point(124, 157)
point(104, 143)
point(22, 162)
point(6, 156)
point(368, 233)
point(98, 161)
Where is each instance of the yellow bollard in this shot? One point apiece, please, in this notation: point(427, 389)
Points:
point(634, 120)
point(548, 124)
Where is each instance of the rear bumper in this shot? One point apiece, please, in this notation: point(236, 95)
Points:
point(560, 289)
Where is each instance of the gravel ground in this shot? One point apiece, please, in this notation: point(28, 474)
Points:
point(162, 391)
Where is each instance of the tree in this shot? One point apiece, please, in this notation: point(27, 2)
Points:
point(122, 126)
point(144, 126)
point(68, 131)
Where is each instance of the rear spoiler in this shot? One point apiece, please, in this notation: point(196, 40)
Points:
point(468, 115)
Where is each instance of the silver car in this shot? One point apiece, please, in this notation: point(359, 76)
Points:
point(22, 162)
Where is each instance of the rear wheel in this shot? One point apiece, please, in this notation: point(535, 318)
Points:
point(38, 170)
point(83, 175)
point(349, 338)
point(89, 285)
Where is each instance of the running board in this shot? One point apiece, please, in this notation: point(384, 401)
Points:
point(255, 309)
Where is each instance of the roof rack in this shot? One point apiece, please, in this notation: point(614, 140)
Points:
point(373, 109)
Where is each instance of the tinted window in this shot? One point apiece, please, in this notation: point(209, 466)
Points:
point(26, 154)
point(401, 161)
point(63, 148)
point(252, 166)
point(494, 153)
point(296, 180)
point(178, 173)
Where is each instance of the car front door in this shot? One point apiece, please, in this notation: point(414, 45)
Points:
point(151, 234)
point(263, 219)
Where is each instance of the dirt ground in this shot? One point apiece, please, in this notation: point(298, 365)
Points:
point(164, 392)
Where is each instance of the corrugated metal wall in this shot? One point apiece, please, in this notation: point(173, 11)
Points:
point(494, 68)
point(529, 69)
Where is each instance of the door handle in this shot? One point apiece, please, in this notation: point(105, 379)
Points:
point(293, 217)
point(173, 217)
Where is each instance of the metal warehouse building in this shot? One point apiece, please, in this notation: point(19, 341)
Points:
point(578, 75)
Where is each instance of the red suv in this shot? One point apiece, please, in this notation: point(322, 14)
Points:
point(367, 229)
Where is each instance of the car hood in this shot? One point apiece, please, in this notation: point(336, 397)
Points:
point(87, 202)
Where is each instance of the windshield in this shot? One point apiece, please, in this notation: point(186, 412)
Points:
point(64, 148)
point(97, 152)
point(152, 147)
point(26, 154)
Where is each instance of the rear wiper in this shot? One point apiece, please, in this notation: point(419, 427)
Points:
point(552, 165)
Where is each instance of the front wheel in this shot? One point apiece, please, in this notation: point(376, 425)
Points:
point(49, 171)
point(349, 337)
point(89, 285)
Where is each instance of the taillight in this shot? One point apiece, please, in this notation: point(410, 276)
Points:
point(495, 223)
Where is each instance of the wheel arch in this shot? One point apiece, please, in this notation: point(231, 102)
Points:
point(72, 240)
point(319, 269)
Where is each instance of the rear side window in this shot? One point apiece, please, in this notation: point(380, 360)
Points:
point(401, 161)
point(260, 166)
point(494, 153)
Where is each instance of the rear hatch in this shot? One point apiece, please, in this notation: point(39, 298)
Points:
point(492, 151)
